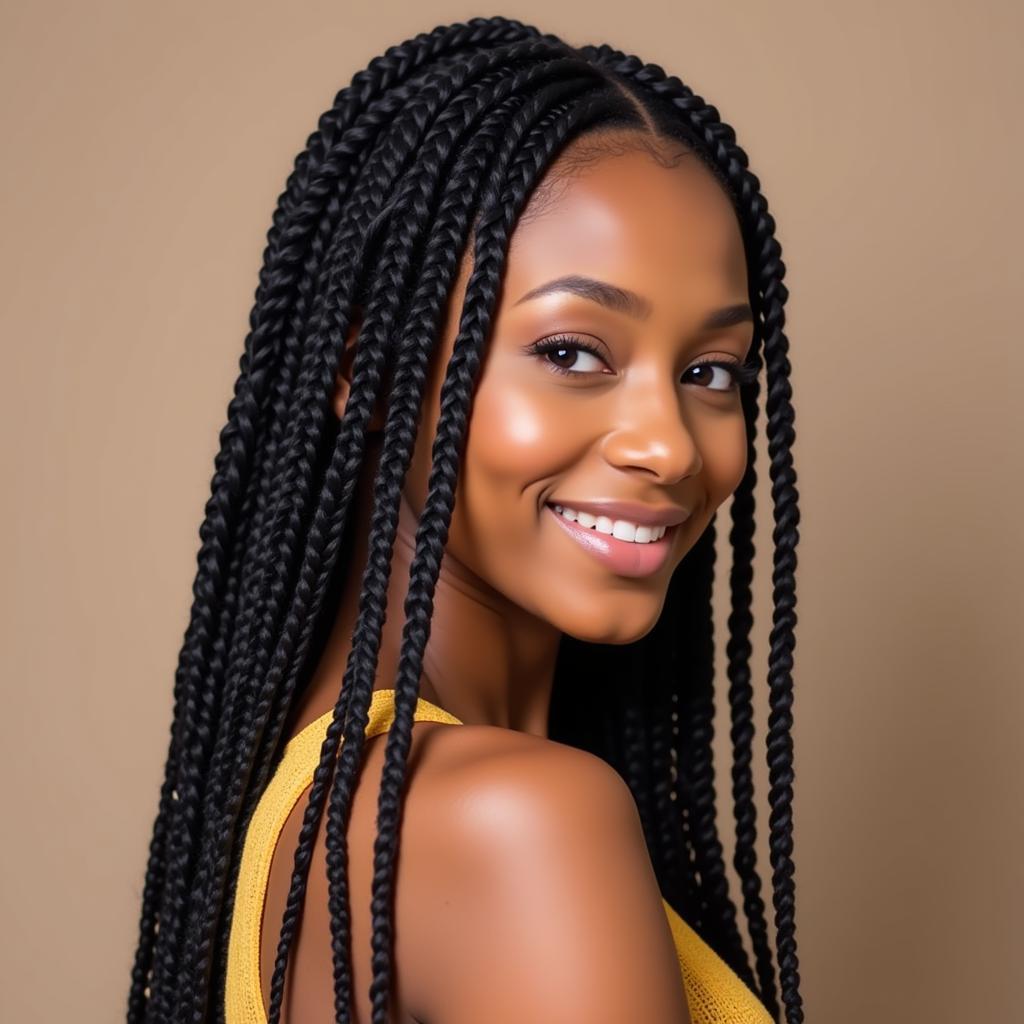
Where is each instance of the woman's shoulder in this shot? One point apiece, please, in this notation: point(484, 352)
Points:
point(486, 754)
point(536, 885)
point(477, 782)
point(530, 775)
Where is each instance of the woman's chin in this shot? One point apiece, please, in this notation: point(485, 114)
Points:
point(615, 623)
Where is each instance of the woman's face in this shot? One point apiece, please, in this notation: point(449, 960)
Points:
point(592, 399)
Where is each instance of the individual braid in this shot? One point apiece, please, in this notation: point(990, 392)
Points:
point(667, 847)
point(741, 696)
point(781, 639)
point(637, 765)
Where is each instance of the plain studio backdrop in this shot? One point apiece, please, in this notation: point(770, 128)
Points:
point(144, 148)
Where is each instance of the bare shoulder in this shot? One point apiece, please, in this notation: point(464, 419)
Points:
point(486, 784)
point(536, 899)
point(483, 755)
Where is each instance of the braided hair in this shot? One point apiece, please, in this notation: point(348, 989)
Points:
point(435, 147)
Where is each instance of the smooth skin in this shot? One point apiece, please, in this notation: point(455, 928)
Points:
point(524, 890)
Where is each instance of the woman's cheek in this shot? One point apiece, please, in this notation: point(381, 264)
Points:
point(723, 449)
point(511, 455)
point(506, 450)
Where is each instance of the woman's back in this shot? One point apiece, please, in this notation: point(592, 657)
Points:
point(524, 891)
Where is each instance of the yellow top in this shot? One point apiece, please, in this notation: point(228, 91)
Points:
point(715, 994)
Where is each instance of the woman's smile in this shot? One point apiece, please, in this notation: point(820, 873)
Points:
point(627, 548)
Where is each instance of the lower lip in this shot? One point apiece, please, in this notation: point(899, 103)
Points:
point(621, 556)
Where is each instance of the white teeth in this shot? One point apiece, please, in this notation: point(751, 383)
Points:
point(621, 529)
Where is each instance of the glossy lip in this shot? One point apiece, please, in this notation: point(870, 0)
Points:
point(622, 557)
point(634, 511)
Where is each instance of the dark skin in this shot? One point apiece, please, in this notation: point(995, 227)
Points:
point(524, 888)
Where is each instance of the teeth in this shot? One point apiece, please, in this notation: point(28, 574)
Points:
point(621, 529)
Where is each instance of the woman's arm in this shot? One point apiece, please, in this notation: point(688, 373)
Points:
point(545, 908)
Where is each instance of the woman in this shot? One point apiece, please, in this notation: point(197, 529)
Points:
point(501, 374)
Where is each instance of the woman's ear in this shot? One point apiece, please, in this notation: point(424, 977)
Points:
point(343, 380)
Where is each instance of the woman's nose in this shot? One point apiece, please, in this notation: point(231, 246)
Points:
point(652, 436)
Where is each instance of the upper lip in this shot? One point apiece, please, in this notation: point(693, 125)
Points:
point(634, 511)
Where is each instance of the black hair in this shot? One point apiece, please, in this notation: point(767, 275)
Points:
point(437, 145)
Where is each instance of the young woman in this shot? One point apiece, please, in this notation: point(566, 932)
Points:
point(502, 372)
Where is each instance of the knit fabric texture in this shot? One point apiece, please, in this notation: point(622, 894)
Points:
point(715, 994)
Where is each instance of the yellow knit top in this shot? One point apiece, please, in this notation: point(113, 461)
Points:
point(715, 994)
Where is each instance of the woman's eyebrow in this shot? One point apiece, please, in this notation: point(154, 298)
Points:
point(622, 300)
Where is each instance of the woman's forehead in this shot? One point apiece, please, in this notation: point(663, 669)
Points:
point(628, 217)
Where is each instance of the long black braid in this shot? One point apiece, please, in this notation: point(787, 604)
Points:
point(435, 149)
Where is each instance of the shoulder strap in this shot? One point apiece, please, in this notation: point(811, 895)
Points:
point(382, 712)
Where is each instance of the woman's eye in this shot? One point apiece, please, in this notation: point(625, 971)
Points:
point(569, 356)
point(714, 374)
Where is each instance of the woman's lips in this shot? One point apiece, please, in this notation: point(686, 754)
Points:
point(621, 556)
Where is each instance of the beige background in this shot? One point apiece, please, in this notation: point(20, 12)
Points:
point(144, 147)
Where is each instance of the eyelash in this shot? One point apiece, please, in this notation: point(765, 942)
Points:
point(743, 374)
